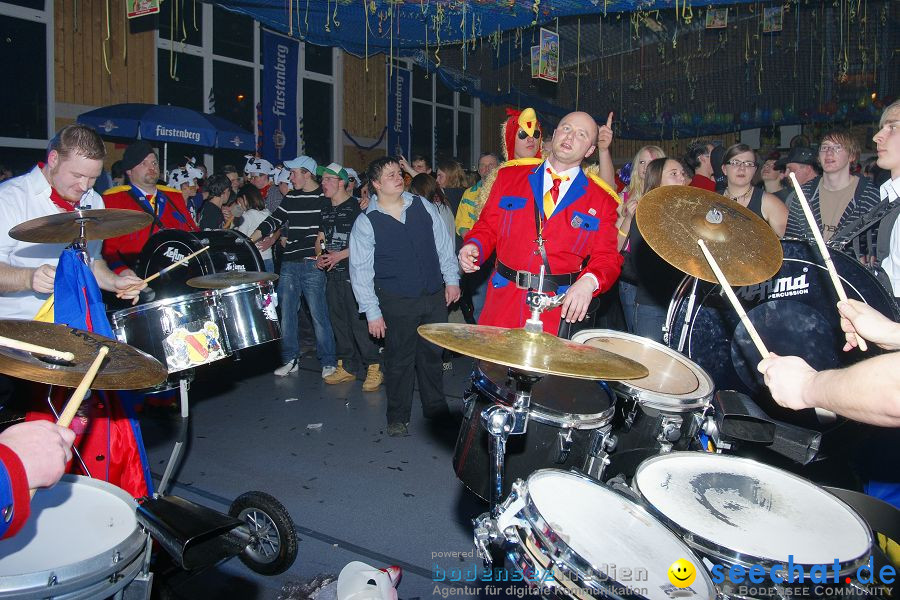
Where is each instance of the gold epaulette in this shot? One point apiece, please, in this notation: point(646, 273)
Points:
point(166, 188)
point(516, 162)
point(117, 189)
point(596, 179)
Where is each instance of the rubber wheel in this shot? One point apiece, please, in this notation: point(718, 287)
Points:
point(273, 547)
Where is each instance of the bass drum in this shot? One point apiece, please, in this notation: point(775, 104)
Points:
point(794, 312)
point(229, 250)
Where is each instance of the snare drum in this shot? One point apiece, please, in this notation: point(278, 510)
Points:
point(736, 511)
point(229, 250)
point(657, 413)
point(584, 540)
point(248, 314)
point(567, 422)
point(180, 332)
point(82, 540)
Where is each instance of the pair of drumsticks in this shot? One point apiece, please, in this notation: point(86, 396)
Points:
point(829, 264)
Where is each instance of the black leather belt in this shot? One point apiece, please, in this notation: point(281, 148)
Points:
point(526, 280)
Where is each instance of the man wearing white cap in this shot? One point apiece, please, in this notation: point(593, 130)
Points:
point(352, 181)
point(260, 172)
point(356, 351)
point(301, 211)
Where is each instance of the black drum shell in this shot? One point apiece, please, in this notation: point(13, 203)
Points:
point(559, 405)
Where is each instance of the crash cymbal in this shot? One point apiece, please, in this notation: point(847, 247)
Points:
point(99, 224)
point(672, 218)
point(125, 368)
point(532, 352)
point(220, 281)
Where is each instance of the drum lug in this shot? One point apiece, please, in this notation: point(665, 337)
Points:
point(671, 432)
point(602, 444)
point(52, 580)
point(565, 446)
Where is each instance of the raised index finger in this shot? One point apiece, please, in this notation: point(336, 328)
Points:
point(609, 119)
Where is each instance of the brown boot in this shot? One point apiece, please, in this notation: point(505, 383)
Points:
point(374, 378)
point(340, 375)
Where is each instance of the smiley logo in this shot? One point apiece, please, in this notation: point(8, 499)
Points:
point(682, 573)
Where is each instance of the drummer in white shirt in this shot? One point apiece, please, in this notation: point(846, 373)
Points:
point(28, 270)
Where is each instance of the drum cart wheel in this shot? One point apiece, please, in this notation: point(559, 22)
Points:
point(273, 545)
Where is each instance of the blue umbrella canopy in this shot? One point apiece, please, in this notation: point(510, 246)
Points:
point(168, 124)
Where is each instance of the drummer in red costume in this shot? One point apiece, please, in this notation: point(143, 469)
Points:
point(573, 214)
point(166, 206)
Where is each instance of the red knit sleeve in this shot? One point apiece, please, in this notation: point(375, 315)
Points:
point(21, 498)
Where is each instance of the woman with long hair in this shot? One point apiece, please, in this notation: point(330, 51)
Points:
point(427, 187)
point(635, 188)
point(647, 282)
point(254, 213)
point(740, 164)
point(452, 180)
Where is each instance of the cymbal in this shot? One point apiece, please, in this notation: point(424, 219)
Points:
point(533, 352)
point(227, 279)
point(99, 224)
point(672, 218)
point(125, 368)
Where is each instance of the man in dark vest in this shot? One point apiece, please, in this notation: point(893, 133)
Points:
point(404, 274)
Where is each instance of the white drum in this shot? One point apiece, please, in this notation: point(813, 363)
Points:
point(737, 511)
point(657, 413)
point(584, 540)
point(81, 540)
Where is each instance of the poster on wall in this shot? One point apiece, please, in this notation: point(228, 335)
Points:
point(399, 98)
point(279, 97)
point(535, 61)
point(549, 59)
point(773, 17)
point(716, 18)
point(140, 8)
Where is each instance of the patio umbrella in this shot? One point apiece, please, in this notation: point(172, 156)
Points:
point(168, 124)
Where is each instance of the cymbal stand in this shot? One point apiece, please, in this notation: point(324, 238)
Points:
point(55, 412)
point(184, 383)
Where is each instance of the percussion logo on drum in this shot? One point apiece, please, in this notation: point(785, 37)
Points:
point(173, 254)
point(775, 288)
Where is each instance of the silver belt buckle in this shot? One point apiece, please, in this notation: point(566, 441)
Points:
point(523, 280)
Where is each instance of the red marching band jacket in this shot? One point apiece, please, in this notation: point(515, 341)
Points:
point(121, 252)
point(583, 226)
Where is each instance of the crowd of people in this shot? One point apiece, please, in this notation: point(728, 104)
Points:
point(363, 260)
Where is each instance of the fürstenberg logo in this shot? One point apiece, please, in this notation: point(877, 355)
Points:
point(178, 133)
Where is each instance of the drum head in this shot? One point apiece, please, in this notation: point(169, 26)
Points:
point(674, 382)
point(74, 531)
point(739, 509)
point(554, 399)
point(610, 531)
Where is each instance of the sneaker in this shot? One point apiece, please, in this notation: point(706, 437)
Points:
point(397, 429)
point(340, 375)
point(292, 366)
point(374, 378)
point(328, 371)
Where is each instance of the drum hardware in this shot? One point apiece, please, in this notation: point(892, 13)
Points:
point(598, 457)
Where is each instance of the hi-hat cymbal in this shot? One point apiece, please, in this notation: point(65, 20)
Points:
point(532, 352)
point(125, 368)
point(99, 224)
point(672, 218)
point(227, 279)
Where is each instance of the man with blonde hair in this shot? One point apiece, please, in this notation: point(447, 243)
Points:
point(837, 199)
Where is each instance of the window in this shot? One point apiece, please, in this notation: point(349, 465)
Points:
point(220, 71)
point(443, 120)
point(186, 88)
point(26, 46)
point(317, 120)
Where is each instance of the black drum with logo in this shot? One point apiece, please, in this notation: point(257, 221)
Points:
point(795, 313)
point(229, 250)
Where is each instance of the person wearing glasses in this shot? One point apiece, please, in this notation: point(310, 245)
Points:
point(740, 164)
point(837, 198)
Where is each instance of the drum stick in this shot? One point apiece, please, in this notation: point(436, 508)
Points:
point(823, 249)
point(754, 335)
point(35, 349)
point(172, 266)
point(74, 403)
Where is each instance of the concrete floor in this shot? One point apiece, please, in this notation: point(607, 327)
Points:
point(353, 492)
